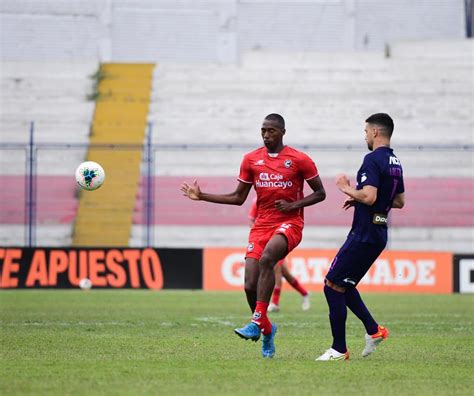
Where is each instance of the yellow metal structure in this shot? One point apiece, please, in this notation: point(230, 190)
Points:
point(105, 215)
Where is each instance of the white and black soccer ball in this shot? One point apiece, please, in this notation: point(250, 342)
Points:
point(90, 175)
point(85, 284)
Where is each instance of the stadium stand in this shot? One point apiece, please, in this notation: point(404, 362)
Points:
point(325, 98)
point(54, 96)
point(213, 86)
point(225, 104)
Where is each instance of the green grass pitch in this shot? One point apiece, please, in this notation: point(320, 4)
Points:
point(182, 343)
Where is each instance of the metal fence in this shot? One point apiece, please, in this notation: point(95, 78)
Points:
point(32, 204)
point(31, 162)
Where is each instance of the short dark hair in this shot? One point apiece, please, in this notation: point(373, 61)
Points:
point(278, 118)
point(383, 120)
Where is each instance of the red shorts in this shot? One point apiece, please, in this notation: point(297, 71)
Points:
point(260, 235)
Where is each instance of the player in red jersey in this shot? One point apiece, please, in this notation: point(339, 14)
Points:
point(281, 271)
point(277, 172)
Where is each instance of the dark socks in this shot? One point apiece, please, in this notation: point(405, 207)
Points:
point(337, 316)
point(356, 305)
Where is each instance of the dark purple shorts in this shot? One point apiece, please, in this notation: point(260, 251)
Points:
point(352, 262)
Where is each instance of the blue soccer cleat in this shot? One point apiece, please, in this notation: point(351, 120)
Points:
point(249, 332)
point(268, 347)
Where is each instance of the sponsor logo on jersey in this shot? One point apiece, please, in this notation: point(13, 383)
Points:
point(287, 163)
point(259, 163)
point(363, 177)
point(350, 281)
point(272, 180)
point(380, 219)
point(250, 247)
point(394, 161)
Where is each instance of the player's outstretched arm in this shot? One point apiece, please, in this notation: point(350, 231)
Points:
point(237, 197)
point(367, 195)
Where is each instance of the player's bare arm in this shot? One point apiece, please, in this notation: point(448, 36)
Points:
point(367, 195)
point(318, 195)
point(237, 197)
point(399, 201)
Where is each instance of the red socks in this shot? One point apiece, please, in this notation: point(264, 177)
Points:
point(260, 317)
point(276, 296)
point(296, 285)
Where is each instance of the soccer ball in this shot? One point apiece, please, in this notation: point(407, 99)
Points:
point(90, 175)
point(85, 284)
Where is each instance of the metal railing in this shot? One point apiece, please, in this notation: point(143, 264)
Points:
point(149, 150)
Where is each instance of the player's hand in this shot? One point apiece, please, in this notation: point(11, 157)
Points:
point(348, 203)
point(342, 181)
point(283, 206)
point(192, 192)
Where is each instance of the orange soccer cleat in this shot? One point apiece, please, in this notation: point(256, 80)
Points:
point(371, 341)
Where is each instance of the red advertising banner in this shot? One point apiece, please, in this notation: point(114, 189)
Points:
point(50, 267)
point(394, 271)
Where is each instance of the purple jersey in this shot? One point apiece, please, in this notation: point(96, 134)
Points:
point(381, 169)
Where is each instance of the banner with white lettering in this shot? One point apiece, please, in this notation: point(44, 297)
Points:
point(463, 273)
point(393, 271)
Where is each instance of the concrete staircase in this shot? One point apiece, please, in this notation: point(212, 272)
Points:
point(104, 216)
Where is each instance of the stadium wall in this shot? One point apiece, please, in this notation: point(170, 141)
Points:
point(218, 269)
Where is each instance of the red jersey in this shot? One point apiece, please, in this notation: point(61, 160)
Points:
point(277, 176)
point(253, 210)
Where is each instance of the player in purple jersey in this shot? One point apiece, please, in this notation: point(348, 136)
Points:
point(379, 188)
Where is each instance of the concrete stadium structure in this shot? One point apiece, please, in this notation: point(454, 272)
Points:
point(217, 96)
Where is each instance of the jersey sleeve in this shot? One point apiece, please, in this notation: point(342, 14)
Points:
point(245, 175)
point(308, 167)
point(370, 172)
point(400, 186)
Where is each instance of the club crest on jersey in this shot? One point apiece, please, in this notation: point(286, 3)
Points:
point(259, 162)
point(250, 247)
point(287, 163)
